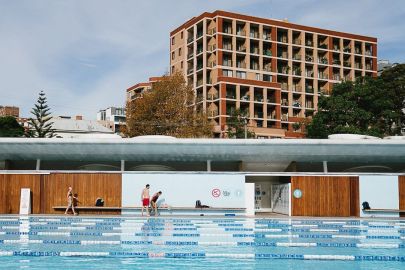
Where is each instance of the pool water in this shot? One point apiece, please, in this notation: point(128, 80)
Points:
point(42, 242)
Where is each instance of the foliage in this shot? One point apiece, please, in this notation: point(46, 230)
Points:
point(366, 106)
point(168, 109)
point(9, 127)
point(236, 125)
point(41, 125)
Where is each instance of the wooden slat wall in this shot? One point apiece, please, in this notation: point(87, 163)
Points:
point(50, 190)
point(326, 196)
point(87, 186)
point(401, 188)
point(10, 190)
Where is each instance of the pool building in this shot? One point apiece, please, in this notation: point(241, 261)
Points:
point(323, 178)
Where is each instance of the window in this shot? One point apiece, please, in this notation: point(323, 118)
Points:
point(241, 74)
point(258, 76)
point(181, 64)
point(179, 51)
point(181, 35)
point(172, 55)
point(227, 73)
point(172, 40)
point(172, 69)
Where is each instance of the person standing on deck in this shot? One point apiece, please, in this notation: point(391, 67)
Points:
point(70, 201)
point(145, 199)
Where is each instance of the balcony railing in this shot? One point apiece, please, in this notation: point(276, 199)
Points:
point(296, 71)
point(245, 98)
point(283, 70)
point(258, 99)
point(369, 67)
point(347, 49)
point(368, 53)
point(284, 117)
point(254, 66)
point(336, 77)
point(309, 73)
point(323, 46)
point(358, 65)
point(322, 75)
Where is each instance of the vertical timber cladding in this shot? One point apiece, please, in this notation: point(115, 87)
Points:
point(326, 196)
point(401, 189)
point(87, 186)
point(10, 189)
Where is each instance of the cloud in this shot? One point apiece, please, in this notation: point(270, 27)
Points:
point(84, 54)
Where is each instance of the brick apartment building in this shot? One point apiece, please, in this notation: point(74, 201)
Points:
point(272, 70)
point(10, 111)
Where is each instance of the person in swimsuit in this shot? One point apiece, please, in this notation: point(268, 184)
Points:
point(145, 199)
point(154, 200)
point(70, 200)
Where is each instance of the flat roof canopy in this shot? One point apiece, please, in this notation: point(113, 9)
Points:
point(193, 150)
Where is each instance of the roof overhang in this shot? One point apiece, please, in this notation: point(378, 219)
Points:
point(194, 150)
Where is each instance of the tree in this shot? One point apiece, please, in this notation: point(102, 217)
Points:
point(365, 106)
point(168, 109)
point(41, 125)
point(394, 80)
point(237, 125)
point(9, 127)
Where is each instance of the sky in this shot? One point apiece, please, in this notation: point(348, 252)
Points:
point(84, 54)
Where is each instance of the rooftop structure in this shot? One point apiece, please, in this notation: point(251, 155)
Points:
point(272, 70)
point(138, 89)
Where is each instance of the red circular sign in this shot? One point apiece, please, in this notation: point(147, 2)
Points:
point(216, 193)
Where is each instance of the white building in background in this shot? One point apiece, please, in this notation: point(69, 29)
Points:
point(76, 127)
point(112, 118)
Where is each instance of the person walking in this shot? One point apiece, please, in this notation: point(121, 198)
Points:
point(70, 201)
point(145, 199)
point(153, 201)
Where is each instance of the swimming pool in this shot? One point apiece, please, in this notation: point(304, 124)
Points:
point(191, 243)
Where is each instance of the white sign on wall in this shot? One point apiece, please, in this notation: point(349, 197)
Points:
point(183, 190)
point(25, 201)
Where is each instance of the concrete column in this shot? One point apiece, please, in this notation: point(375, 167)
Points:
point(208, 165)
point(122, 165)
point(325, 167)
point(38, 165)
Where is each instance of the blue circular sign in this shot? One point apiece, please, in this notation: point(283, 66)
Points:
point(297, 193)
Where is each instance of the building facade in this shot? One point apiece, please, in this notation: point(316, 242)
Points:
point(113, 118)
point(137, 90)
point(10, 111)
point(272, 70)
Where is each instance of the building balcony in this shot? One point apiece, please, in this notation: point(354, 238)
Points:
point(227, 46)
point(283, 70)
point(199, 66)
point(323, 60)
point(190, 39)
point(336, 77)
point(212, 48)
point(268, 53)
point(254, 50)
point(347, 50)
point(336, 48)
point(212, 96)
point(212, 31)
point(199, 83)
point(284, 117)
point(309, 89)
point(283, 55)
point(369, 67)
point(309, 58)
point(282, 39)
point(267, 37)
point(297, 41)
point(212, 64)
point(309, 43)
point(190, 70)
point(230, 96)
point(241, 33)
point(297, 57)
point(296, 88)
point(241, 48)
point(254, 34)
point(347, 64)
point(227, 63)
point(296, 104)
point(258, 115)
point(284, 86)
point(199, 34)
point(245, 98)
point(323, 46)
point(227, 30)
point(190, 55)
point(368, 53)
point(336, 62)
point(267, 68)
point(358, 65)
point(254, 66)
point(241, 64)
point(296, 71)
point(323, 76)
point(357, 50)
point(309, 73)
